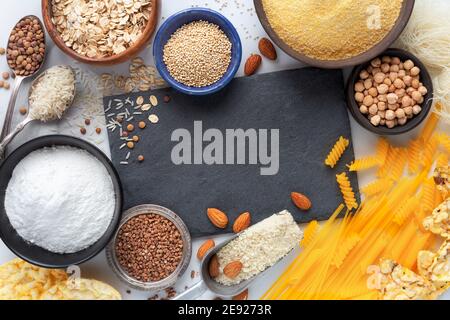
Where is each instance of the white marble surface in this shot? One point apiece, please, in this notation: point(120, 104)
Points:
point(242, 14)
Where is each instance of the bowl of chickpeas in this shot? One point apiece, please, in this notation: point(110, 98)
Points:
point(391, 94)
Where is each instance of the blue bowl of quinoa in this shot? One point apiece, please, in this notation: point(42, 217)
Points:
point(197, 51)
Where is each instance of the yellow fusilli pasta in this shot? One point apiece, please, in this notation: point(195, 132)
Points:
point(444, 141)
point(382, 150)
point(364, 163)
point(336, 152)
point(414, 153)
point(398, 166)
point(344, 249)
point(406, 210)
point(429, 152)
point(442, 160)
point(309, 233)
point(386, 167)
point(428, 198)
point(376, 187)
point(347, 191)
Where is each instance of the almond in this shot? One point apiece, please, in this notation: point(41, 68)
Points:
point(218, 218)
point(267, 49)
point(204, 248)
point(301, 201)
point(242, 222)
point(232, 269)
point(252, 64)
point(214, 267)
point(241, 296)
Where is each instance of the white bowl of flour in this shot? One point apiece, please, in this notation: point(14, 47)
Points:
point(61, 200)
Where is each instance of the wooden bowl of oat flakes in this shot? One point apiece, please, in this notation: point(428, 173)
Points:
point(121, 29)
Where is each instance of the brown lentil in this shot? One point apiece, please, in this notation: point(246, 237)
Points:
point(198, 54)
point(166, 99)
point(136, 138)
point(142, 124)
point(87, 121)
point(98, 130)
point(149, 247)
point(130, 127)
point(23, 111)
point(26, 47)
point(130, 145)
point(83, 130)
point(141, 158)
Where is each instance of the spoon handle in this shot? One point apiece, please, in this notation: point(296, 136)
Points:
point(10, 111)
point(193, 292)
point(11, 136)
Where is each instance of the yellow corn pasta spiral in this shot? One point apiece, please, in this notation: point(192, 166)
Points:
point(309, 233)
point(391, 157)
point(430, 150)
point(336, 152)
point(382, 150)
point(344, 249)
point(364, 163)
point(414, 153)
point(347, 191)
point(428, 197)
point(406, 210)
point(398, 166)
point(377, 187)
point(444, 141)
point(442, 160)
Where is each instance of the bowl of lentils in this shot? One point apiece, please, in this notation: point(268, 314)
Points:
point(391, 94)
point(197, 51)
point(151, 249)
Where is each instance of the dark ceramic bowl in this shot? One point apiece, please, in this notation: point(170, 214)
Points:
point(178, 20)
point(37, 255)
point(412, 123)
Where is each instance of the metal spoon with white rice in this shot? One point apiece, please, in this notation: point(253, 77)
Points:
point(45, 105)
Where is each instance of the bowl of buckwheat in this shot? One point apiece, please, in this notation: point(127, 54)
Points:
point(197, 51)
point(391, 94)
point(100, 32)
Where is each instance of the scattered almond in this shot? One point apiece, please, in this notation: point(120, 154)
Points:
point(242, 222)
point(217, 218)
point(267, 49)
point(232, 269)
point(241, 296)
point(252, 64)
point(301, 201)
point(214, 267)
point(204, 248)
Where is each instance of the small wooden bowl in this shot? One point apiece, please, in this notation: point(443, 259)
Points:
point(108, 61)
point(400, 24)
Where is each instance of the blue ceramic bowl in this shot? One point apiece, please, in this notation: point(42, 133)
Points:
point(186, 16)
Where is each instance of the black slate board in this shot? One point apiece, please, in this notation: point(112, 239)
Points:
point(306, 105)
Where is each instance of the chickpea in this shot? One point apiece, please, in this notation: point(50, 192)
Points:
point(382, 98)
point(392, 98)
point(383, 122)
point(414, 71)
point(373, 110)
point(392, 88)
point(364, 74)
point(423, 91)
point(390, 115)
point(387, 81)
point(376, 62)
point(401, 74)
point(393, 106)
point(416, 95)
point(359, 97)
point(383, 88)
point(368, 84)
point(399, 84)
point(408, 64)
point(364, 110)
point(406, 101)
point(416, 109)
point(386, 59)
point(400, 113)
point(395, 60)
point(390, 124)
point(393, 76)
point(368, 101)
point(385, 68)
point(381, 106)
point(375, 120)
point(408, 111)
point(379, 77)
point(373, 92)
point(401, 67)
point(402, 121)
point(407, 80)
point(394, 68)
point(359, 86)
point(382, 114)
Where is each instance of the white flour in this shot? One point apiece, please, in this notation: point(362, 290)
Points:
point(61, 199)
